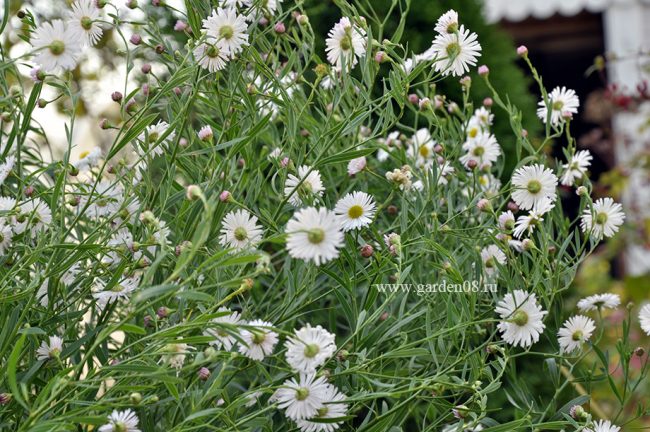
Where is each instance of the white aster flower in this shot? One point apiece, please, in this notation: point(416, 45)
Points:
point(455, 52)
point(50, 350)
point(314, 235)
point(259, 341)
point(311, 186)
point(483, 117)
point(603, 426)
point(121, 290)
point(576, 168)
point(84, 19)
point(104, 201)
point(575, 331)
point(68, 277)
point(35, 215)
point(644, 318)
point(345, 43)
point(522, 318)
point(152, 139)
point(355, 210)
point(506, 221)
point(209, 56)
point(121, 421)
point(447, 23)
point(303, 398)
point(333, 408)
point(533, 184)
point(224, 336)
point(561, 100)
point(227, 30)
point(604, 218)
point(492, 255)
point(526, 224)
point(57, 47)
point(88, 159)
point(421, 148)
point(6, 167)
point(240, 231)
point(599, 301)
point(309, 348)
point(483, 149)
point(6, 234)
point(355, 166)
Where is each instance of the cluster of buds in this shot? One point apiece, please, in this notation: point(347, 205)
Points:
point(401, 177)
point(394, 243)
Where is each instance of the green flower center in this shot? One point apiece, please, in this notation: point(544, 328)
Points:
point(322, 412)
point(226, 32)
point(258, 337)
point(57, 47)
point(241, 234)
point(311, 350)
point(302, 393)
point(534, 186)
point(558, 105)
point(212, 51)
point(577, 335)
point(316, 235)
point(120, 427)
point(355, 212)
point(153, 137)
point(453, 49)
point(601, 218)
point(520, 318)
point(86, 23)
point(346, 41)
point(489, 263)
point(478, 151)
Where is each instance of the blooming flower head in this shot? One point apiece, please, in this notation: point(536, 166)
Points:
point(227, 30)
point(121, 290)
point(483, 150)
point(599, 301)
point(576, 168)
point(345, 43)
point(209, 56)
point(604, 218)
point(492, 255)
point(35, 215)
point(533, 184)
point(560, 101)
point(507, 221)
point(304, 187)
point(526, 224)
point(153, 141)
point(57, 46)
point(301, 399)
point(309, 348)
point(521, 317)
point(240, 230)
point(333, 407)
point(603, 426)
point(84, 20)
point(259, 341)
point(314, 235)
point(644, 318)
point(6, 234)
point(51, 349)
point(88, 159)
point(6, 167)
point(447, 23)
point(121, 421)
point(421, 148)
point(455, 52)
point(355, 210)
point(575, 331)
point(224, 337)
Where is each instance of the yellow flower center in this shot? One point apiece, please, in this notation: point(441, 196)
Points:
point(355, 212)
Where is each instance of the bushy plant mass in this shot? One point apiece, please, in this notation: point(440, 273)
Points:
point(287, 238)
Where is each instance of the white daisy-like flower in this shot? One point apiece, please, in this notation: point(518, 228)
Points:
point(84, 19)
point(603, 426)
point(227, 30)
point(50, 350)
point(526, 224)
point(303, 187)
point(421, 148)
point(492, 255)
point(88, 159)
point(604, 218)
point(599, 301)
point(121, 290)
point(252, 398)
point(6, 167)
point(483, 149)
point(447, 23)
point(240, 231)
point(35, 215)
point(121, 421)
point(355, 210)
point(259, 341)
point(576, 168)
point(57, 47)
point(483, 117)
point(209, 56)
point(303, 398)
point(345, 43)
point(333, 408)
point(174, 354)
point(644, 318)
point(455, 52)
point(522, 318)
point(561, 100)
point(355, 166)
point(309, 348)
point(314, 235)
point(152, 140)
point(574, 332)
point(533, 184)
point(506, 221)
point(224, 336)
point(6, 234)
point(68, 277)
point(445, 171)
point(104, 201)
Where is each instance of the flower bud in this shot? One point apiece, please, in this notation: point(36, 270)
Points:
point(484, 205)
point(367, 251)
point(225, 196)
point(279, 28)
point(193, 192)
point(513, 207)
point(522, 51)
point(132, 4)
point(204, 374)
point(116, 96)
point(380, 57)
point(5, 398)
point(639, 351)
point(414, 99)
point(488, 102)
point(135, 398)
point(424, 104)
point(146, 68)
point(483, 70)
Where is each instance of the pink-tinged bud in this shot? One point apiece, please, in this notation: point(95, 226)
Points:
point(582, 191)
point(225, 196)
point(522, 51)
point(116, 96)
point(414, 99)
point(380, 57)
point(148, 321)
point(465, 81)
point(178, 91)
point(135, 39)
point(205, 133)
point(438, 101)
point(367, 251)
point(131, 106)
point(513, 207)
point(424, 104)
point(146, 68)
point(29, 191)
point(527, 244)
point(241, 163)
point(37, 75)
point(483, 70)
point(484, 205)
point(183, 142)
point(160, 49)
point(5, 398)
point(437, 148)
point(392, 210)
point(567, 115)
point(104, 124)
point(471, 164)
point(155, 2)
point(162, 312)
point(193, 192)
point(100, 4)
point(488, 102)
point(524, 133)
point(204, 373)
point(285, 162)
point(145, 89)
point(303, 19)
point(304, 133)
point(279, 28)
point(440, 160)
point(384, 316)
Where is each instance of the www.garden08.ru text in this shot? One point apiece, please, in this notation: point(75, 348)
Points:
point(444, 288)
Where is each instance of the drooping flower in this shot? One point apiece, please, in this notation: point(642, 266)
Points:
point(51, 349)
point(118, 291)
point(355, 210)
point(533, 184)
point(575, 331)
point(259, 341)
point(345, 43)
point(599, 301)
point(240, 230)
point(522, 317)
point(576, 168)
point(57, 47)
point(604, 218)
point(455, 52)
point(309, 348)
point(121, 421)
point(447, 23)
point(209, 56)
point(314, 235)
point(560, 101)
